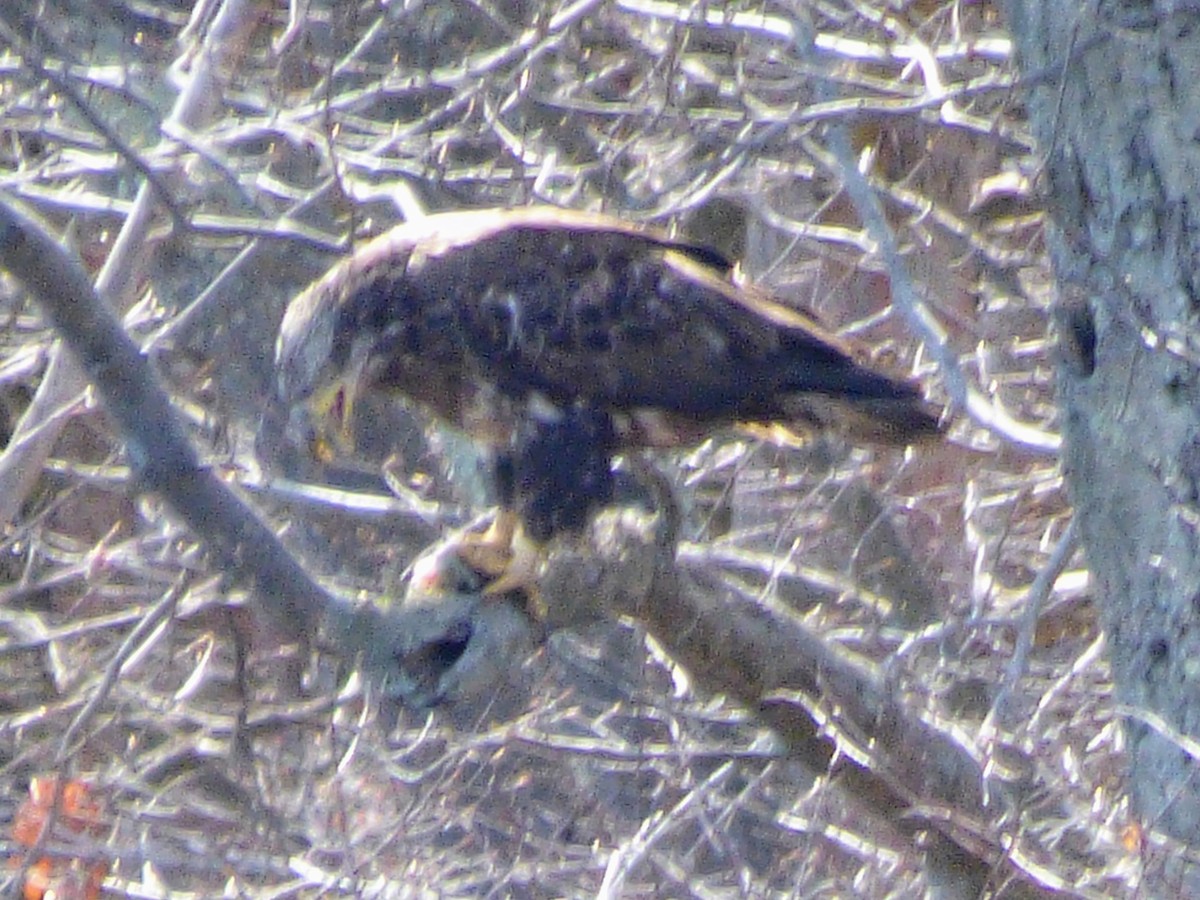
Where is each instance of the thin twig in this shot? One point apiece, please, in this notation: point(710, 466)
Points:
point(1027, 628)
point(963, 394)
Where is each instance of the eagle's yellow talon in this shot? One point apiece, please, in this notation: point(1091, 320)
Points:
point(490, 553)
point(507, 559)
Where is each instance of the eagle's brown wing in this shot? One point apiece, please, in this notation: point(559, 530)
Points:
point(475, 313)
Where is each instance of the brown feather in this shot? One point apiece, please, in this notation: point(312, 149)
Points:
point(473, 314)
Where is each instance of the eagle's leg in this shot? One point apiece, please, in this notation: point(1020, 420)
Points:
point(555, 475)
point(562, 471)
point(521, 574)
point(491, 553)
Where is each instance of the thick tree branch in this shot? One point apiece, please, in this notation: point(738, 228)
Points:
point(835, 711)
point(164, 461)
point(36, 432)
point(820, 699)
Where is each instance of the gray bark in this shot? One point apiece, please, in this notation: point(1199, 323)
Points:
point(1116, 108)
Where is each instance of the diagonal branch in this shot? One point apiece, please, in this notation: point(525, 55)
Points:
point(832, 709)
point(163, 461)
point(21, 464)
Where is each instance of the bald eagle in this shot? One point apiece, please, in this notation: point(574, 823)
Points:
point(558, 339)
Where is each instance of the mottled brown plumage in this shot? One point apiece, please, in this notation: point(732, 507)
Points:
point(474, 314)
point(560, 338)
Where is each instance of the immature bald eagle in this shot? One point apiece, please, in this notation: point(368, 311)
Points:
point(559, 339)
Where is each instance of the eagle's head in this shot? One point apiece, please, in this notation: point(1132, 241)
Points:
point(359, 327)
point(328, 348)
point(316, 380)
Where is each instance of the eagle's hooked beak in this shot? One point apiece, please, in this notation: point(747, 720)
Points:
point(324, 424)
point(332, 410)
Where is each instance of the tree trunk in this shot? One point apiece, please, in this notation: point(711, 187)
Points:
point(1115, 104)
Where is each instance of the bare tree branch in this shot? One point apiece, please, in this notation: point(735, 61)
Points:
point(163, 460)
point(820, 699)
point(21, 463)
